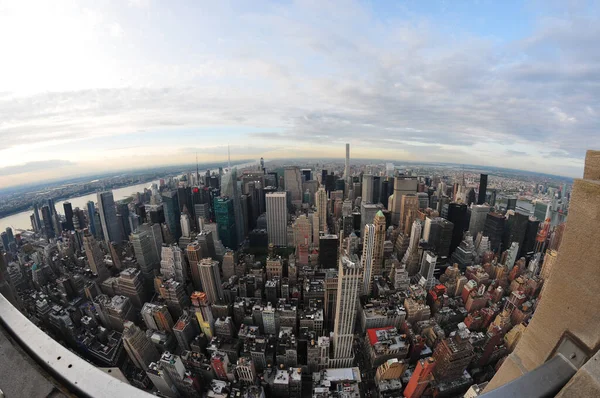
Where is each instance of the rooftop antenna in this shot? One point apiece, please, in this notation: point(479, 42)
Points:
point(228, 157)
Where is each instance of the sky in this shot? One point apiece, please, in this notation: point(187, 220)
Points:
point(94, 86)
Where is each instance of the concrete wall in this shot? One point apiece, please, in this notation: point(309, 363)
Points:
point(570, 300)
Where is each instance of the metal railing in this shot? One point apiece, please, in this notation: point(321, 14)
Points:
point(78, 376)
point(544, 381)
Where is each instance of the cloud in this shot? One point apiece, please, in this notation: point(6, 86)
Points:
point(42, 165)
point(310, 73)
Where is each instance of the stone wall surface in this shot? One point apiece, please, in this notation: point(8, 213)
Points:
point(570, 300)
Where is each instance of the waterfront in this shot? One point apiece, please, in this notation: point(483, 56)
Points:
point(21, 220)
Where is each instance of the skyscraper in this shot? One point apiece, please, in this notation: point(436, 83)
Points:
point(140, 349)
point(186, 226)
point(68, 216)
point(457, 214)
point(146, 257)
point(372, 256)
point(91, 215)
point(225, 218)
point(494, 228)
point(347, 168)
point(402, 186)
point(350, 279)
point(321, 202)
point(293, 184)
point(108, 217)
point(36, 217)
point(172, 213)
point(427, 269)
point(94, 256)
point(194, 255)
point(229, 188)
point(482, 189)
point(367, 188)
point(277, 218)
point(211, 280)
point(477, 220)
point(172, 264)
point(48, 223)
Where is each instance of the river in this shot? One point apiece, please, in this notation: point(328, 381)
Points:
point(22, 221)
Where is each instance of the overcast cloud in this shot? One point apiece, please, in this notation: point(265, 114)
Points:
point(110, 84)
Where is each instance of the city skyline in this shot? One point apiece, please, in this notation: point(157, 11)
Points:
point(140, 84)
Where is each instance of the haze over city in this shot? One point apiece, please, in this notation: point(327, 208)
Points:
point(100, 86)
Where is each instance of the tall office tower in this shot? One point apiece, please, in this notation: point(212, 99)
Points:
point(376, 189)
point(172, 264)
point(372, 256)
point(229, 188)
point(157, 317)
point(123, 218)
point(452, 356)
point(347, 176)
point(145, 253)
point(427, 269)
point(5, 241)
point(172, 213)
point(409, 206)
point(529, 241)
point(478, 216)
point(186, 226)
point(230, 260)
point(420, 379)
point(7, 289)
point(457, 214)
point(194, 255)
point(515, 229)
point(154, 232)
point(438, 233)
point(321, 204)
point(482, 189)
point(56, 222)
point(68, 216)
point(95, 257)
point(293, 184)
point(207, 243)
point(201, 307)
point(51, 206)
point(140, 349)
point(185, 330)
point(91, 217)
point(328, 250)
point(277, 218)
point(108, 217)
point(402, 186)
point(115, 311)
point(225, 218)
point(411, 257)
point(493, 229)
point(302, 231)
point(367, 188)
point(367, 214)
point(184, 199)
point(36, 217)
point(350, 279)
point(511, 255)
point(131, 285)
point(385, 193)
point(211, 280)
point(174, 294)
point(48, 223)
